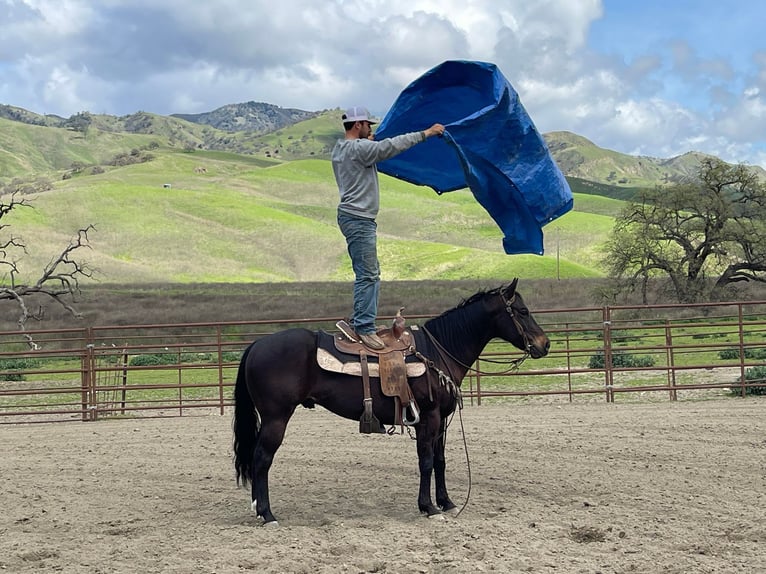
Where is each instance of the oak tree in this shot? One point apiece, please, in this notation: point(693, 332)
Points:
point(702, 234)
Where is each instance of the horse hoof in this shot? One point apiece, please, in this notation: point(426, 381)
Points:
point(452, 511)
point(272, 524)
point(439, 516)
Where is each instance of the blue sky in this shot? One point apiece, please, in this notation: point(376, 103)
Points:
point(646, 78)
point(700, 43)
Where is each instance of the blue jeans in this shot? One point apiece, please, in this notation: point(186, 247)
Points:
point(361, 238)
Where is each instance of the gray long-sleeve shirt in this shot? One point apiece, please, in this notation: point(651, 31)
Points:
point(353, 162)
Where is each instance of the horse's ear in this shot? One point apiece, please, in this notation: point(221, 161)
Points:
point(511, 289)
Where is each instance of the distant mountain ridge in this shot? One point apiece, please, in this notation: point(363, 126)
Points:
point(579, 157)
point(249, 116)
point(275, 133)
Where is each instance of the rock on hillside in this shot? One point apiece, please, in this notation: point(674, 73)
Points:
point(249, 116)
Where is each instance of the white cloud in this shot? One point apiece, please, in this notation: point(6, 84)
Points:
point(61, 90)
point(120, 56)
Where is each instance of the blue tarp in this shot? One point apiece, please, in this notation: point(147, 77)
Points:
point(491, 146)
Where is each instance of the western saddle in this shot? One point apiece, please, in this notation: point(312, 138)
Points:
point(393, 372)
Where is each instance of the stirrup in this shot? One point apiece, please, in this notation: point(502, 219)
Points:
point(415, 414)
point(369, 423)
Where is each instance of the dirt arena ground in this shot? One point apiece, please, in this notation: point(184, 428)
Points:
point(661, 487)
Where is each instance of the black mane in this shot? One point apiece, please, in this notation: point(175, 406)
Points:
point(478, 296)
point(458, 322)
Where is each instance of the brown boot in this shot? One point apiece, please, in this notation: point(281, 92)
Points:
point(372, 341)
point(347, 331)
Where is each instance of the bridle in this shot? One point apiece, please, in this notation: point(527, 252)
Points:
point(516, 322)
point(513, 364)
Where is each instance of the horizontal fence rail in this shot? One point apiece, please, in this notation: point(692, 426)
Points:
point(666, 352)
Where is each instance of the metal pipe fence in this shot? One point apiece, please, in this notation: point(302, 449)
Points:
point(611, 353)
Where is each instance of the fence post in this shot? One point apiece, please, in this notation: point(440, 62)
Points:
point(180, 384)
point(478, 382)
point(671, 361)
point(84, 382)
point(90, 412)
point(742, 380)
point(608, 372)
point(124, 379)
point(569, 363)
point(219, 342)
point(469, 379)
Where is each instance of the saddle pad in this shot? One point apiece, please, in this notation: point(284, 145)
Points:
point(329, 362)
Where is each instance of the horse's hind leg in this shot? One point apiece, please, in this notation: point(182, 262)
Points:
point(440, 466)
point(269, 440)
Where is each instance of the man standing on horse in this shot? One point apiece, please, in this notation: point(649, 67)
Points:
point(353, 162)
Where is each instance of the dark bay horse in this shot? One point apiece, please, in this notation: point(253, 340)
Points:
point(280, 371)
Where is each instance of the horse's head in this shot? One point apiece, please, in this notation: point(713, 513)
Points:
point(517, 326)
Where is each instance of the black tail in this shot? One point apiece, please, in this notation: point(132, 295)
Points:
point(247, 425)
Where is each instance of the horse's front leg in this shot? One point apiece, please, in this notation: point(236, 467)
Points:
point(440, 466)
point(426, 435)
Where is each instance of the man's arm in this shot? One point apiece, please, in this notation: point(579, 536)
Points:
point(374, 151)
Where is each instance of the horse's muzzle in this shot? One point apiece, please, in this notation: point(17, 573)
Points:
point(539, 347)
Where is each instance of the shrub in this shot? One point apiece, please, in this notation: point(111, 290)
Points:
point(153, 359)
point(753, 374)
point(125, 158)
point(620, 359)
point(733, 353)
point(16, 365)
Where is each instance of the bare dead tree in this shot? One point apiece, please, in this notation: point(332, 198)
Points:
point(59, 280)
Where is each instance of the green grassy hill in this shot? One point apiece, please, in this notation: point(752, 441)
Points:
point(29, 151)
point(244, 206)
point(231, 218)
point(580, 158)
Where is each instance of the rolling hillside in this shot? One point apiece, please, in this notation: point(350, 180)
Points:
point(240, 220)
point(175, 200)
point(270, 132)
point(579, 158)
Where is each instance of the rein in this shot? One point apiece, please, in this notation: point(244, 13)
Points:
point(513, 364)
